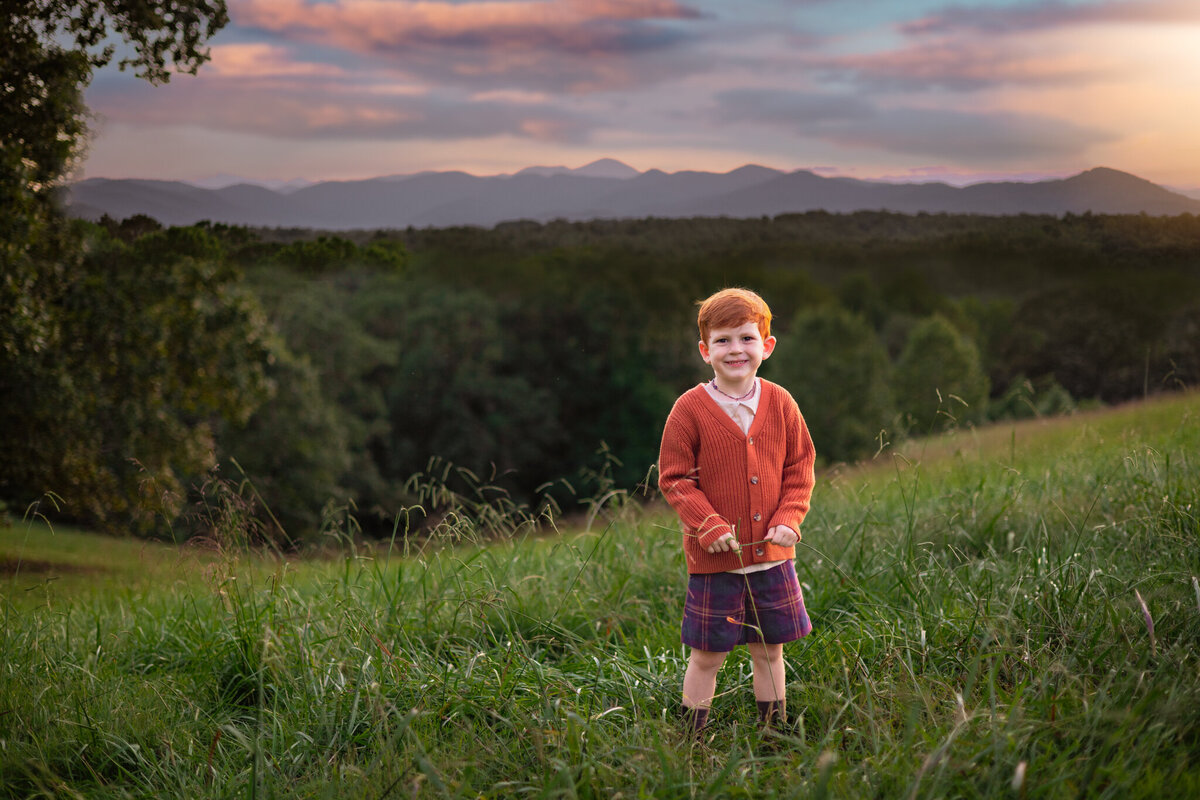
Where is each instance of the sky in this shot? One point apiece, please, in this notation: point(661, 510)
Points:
point(883, 89)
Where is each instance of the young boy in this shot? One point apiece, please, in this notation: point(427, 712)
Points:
point(736, 464)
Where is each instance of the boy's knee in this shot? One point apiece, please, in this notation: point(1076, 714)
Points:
point(707, 660)
point(765, 653)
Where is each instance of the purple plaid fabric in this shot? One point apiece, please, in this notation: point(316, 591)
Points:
point(770, 600)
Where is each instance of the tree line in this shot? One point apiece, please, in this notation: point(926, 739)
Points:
point(325, 374)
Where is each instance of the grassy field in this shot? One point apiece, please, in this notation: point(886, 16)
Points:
point(1011, 612)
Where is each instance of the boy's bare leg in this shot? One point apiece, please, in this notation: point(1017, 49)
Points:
point(770, 680)
point(700, 684)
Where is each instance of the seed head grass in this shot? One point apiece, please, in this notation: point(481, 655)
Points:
point(1010, 612)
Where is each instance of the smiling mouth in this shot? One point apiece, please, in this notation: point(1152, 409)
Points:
point(737, 363)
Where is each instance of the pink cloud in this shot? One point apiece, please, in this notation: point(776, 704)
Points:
point(963, 66)
point(371, 25)
point(1051, 14)
point(255, 60)
point(575, 46)
point(968, 137)
point(290, 109)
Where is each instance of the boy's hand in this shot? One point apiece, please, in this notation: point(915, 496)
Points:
point(782, 535)
point(724, 544)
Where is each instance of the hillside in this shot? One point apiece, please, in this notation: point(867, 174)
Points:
point(1009, 613)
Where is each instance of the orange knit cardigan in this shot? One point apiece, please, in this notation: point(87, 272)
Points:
point(719, 479)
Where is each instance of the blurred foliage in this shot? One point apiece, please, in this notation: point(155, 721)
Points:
point(294, 448)
point(540, 360)
point(939, 378)
point(115, 353)
point(142, 349)
point(838, 370)
point(1108, 337)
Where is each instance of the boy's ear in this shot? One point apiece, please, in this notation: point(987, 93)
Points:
point(768, 347)
point(704, 350)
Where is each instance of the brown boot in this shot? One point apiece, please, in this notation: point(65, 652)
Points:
point(694, 719)
point(772, 713)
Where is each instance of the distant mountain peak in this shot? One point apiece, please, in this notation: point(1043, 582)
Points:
point(600, 168)
point(606, 168)
point(1101, 173)
point(1108, 171)
point(1117, 177)
point(751, 169)
point(224, 181)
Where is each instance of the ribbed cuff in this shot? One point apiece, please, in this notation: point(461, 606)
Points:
point(707, 539)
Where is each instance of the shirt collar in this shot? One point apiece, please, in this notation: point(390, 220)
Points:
point(729, 403)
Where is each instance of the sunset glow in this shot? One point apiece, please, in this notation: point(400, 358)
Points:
point(929, 90)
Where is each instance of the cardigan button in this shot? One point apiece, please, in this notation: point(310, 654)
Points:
point(751, 440)
point(758, 552)
point(754, 479)
point(758, 517)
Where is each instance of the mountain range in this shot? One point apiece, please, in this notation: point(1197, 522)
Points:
point(605, 189)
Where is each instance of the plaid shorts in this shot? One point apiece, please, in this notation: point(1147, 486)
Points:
point(724, 609)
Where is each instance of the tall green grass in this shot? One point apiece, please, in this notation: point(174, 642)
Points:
point(1008, 612)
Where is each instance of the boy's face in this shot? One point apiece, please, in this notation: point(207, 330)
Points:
point(735, 354)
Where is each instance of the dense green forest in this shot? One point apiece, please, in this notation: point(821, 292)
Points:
point(316, 376)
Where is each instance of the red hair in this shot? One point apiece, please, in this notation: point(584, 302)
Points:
point(732, 308)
